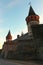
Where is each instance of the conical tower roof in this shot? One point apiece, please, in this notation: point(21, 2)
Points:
point(9, 33)
point(9, 36)
point(32, 16)
point(31, 11)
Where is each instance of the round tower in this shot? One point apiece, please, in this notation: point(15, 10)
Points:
point(31, 19)
point(9, 36)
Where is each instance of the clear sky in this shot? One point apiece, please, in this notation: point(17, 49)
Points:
point(13, 14)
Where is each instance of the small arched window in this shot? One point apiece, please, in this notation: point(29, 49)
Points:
point(32, 17)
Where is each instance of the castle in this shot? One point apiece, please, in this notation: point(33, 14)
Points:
point(29, 45)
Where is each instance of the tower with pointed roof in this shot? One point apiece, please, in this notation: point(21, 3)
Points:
point(9, 36)
point(31, 19)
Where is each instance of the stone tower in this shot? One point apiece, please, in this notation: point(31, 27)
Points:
point(9, 36)
point(31, 19)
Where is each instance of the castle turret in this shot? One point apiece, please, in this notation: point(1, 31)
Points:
point(31, 19)
point(9, 36)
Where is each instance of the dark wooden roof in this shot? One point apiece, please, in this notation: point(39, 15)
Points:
point(31, 11)
point(9, 35)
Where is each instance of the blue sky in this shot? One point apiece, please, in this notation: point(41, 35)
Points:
point(13, 14)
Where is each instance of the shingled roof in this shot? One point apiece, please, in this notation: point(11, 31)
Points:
point(31, 11)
